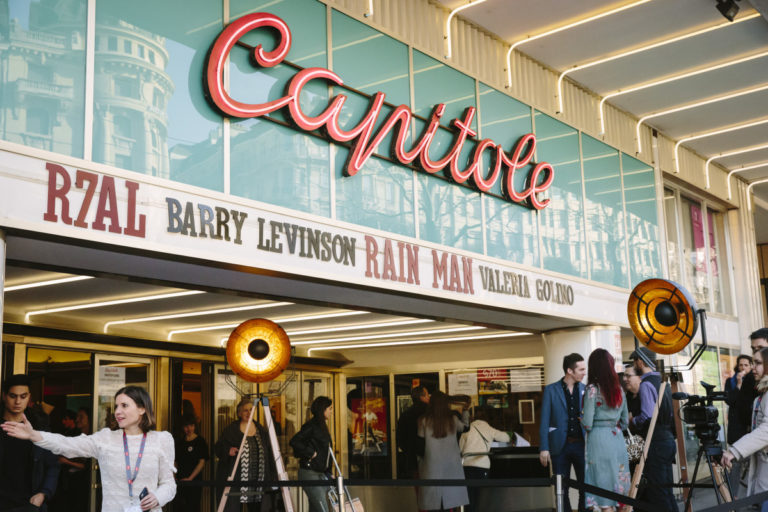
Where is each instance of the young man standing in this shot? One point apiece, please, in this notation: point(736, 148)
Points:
point(28, 473)
point(561, 433)
point(759, 339)
point(661, 454)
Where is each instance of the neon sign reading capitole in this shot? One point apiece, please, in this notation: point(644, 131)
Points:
point(362, 138)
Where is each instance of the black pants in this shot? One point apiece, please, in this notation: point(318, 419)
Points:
point(658, 476)
point(189, 499)
point(474, 473)
point(571, 455)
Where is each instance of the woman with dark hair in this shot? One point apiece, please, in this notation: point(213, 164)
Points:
point(256, 461)
point(191, 454)
point(604, 418)
point(442, 458)
point(312, 446)
point(132, 458)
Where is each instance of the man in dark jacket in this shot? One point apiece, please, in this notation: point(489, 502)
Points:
point(661, 453)
point(28, 474)
point(740, 392)
point(406, 433)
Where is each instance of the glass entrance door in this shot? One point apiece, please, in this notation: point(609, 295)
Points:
point(112, 372)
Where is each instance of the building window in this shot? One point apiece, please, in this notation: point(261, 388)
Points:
point(123, 161)
point(122, 126)
point(39, 72)
point(673, 247)
point(38, 121)
point(697, 251)
point(127, 47)
point(112, 44)
point(151, 56)
point(141, 51)
point(721, 279)
point(126, 87)
point(157, 98)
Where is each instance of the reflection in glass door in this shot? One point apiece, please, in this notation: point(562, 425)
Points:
point(368, 427)
point(62, 387)
point(111, 373)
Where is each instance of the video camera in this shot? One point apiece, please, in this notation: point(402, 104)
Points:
point(700, 412)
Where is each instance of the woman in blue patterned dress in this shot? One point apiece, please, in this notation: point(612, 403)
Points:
point(604, 417)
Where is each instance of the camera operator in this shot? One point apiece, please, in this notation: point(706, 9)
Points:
point(755, 444)
point(661, 455)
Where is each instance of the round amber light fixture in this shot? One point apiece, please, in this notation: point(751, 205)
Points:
point(662, 315)
point(258, 350)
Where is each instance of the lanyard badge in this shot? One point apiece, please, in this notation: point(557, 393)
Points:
point(132, 478)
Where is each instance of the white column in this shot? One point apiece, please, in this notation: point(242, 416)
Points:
point(582, 340)
point(2, 292)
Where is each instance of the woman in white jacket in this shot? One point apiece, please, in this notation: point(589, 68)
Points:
point(131, 458)
point(754, 445)
point(475, 444)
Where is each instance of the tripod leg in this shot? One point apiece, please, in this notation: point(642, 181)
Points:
point(693, 481)
point(720, 481)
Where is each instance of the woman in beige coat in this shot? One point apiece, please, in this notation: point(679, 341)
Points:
point(755, 444)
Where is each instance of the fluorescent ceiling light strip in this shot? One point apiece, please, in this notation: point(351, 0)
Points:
point(597, 62)
point(419, 342)
point(389, 335)
point(196, 313)
point(689, 74)
point(50, 282)
point(111, 303)
point(223, 341)
point(749, 198)
point(730, 153)
point(742, 169)
point(276, 320)
point(359, 326)
point(711, 134)
point(447, 34)
point(693, 105)
point(560, 29)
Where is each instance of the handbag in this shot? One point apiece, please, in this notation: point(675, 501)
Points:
point(635, 445)
point(353, 505)
point(350, 504)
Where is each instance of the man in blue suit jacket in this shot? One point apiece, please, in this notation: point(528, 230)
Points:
point(560, 431)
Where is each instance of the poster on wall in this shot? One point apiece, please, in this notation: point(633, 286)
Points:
point(495, 401)
point(525, 380)
point(462, 383)
point(111, 379)
point(492, 380)
point(369, 426)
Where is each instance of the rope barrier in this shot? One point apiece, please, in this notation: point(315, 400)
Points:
point(487, 483)
point(638, 505)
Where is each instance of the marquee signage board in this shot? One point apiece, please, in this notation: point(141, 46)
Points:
point(126, 209)
point(363, 138)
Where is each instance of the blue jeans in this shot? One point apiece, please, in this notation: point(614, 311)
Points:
point(658, 476)
point(317, 496)
point(571, 455)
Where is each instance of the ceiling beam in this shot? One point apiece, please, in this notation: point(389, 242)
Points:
point(760, 6)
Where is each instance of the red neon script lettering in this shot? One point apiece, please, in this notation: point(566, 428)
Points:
point(362, 137)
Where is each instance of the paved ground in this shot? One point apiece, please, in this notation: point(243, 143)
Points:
point(704, 498)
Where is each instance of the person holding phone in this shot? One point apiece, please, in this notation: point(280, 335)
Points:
point(133, 458)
